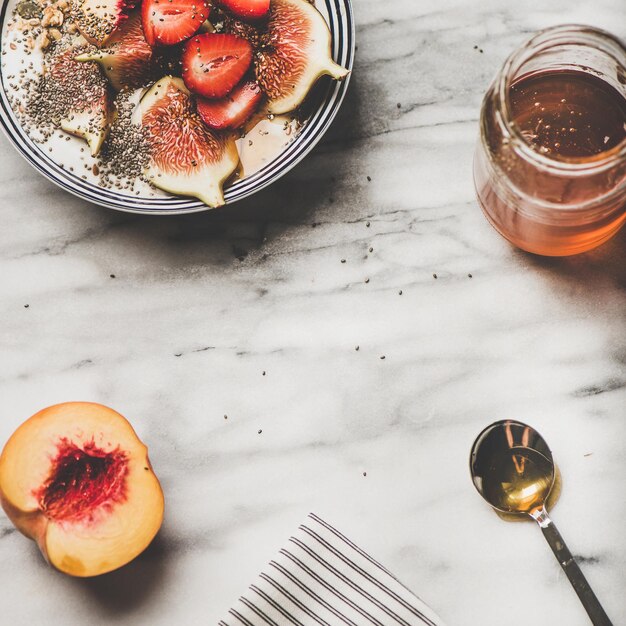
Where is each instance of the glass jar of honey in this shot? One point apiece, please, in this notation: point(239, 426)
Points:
point(550, 166)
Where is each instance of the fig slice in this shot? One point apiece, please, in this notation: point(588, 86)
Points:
point(76, 479)
point(186, 157)
point(127, 60)
point(295, 54)
point(97, 20)
point(90, 124)
point(80, 98)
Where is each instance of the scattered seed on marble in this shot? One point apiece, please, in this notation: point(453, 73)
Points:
point(367, 224)
point(383, 357)
point(343, 260)
point(371, 249)
point(369, 179)
point(26, 306)
point(469, 276)
point(357, 348)
point(435, 276)
point(400, 292)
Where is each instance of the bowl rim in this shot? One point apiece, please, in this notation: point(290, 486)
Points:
point(342, 26)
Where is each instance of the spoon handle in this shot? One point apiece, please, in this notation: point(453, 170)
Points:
point(570, 567)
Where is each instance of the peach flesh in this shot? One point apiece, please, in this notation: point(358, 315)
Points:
point(82, 480)
point(76, 478)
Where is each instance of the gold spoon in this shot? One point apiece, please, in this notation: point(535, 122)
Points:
point(513, 470)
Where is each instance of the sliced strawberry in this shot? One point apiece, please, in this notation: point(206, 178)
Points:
point(247, 9)
point(168, 22)
point(234, 110)
point(214, 63)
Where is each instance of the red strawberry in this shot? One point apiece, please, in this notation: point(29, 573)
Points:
point(247, 9)
point(234, 110)
point(168, 22)
point(214, 63)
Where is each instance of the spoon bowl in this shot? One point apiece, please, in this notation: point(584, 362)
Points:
point(513, 470)
point(512, 467)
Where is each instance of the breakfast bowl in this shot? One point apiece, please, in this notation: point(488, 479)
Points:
point(100, 166)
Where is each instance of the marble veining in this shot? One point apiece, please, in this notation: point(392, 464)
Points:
point(246, 345)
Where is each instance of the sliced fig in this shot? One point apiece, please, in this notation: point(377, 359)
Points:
point(185, 156)
point(225, 22)
point(97, 20)
point(78, 96)
point(297, 52)
point(127, 60)
point(92, 124)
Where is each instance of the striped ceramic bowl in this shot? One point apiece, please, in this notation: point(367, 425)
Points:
point(62, 164)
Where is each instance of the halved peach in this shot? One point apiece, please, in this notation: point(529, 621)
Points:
point(76, 478)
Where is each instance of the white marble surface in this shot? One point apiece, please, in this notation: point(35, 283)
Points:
point(201, 306)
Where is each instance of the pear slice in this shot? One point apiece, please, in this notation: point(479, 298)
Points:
point(76, 478)
point(186, 157)
point(296, 53)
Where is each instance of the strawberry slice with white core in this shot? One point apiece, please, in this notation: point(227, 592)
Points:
point(213, 64)
point(234, 110)
point(168, 22)
point(247, 9)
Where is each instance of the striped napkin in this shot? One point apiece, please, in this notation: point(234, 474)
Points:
point(322, 578)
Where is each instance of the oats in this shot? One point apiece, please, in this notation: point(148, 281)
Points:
point(52, 17)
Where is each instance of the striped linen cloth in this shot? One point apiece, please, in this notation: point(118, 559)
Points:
point(322, 578)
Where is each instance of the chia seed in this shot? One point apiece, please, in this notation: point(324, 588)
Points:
point(125, 153)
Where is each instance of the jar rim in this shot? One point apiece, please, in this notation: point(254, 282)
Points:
point(542, 40)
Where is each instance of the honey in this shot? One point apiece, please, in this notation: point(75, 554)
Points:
point(568, 113)
point(518, 480)
point(550, 167)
